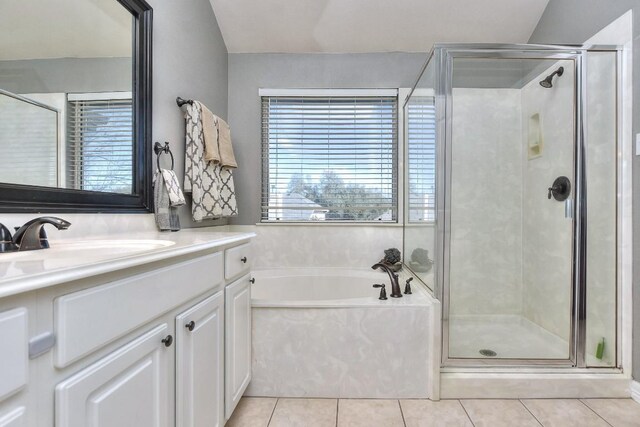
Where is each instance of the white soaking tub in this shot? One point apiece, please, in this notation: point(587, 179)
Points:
point(325, 333)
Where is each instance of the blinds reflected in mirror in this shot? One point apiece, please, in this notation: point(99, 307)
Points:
point(421, 142)
point(99, 154)
point(329, 158)
point(28, 142)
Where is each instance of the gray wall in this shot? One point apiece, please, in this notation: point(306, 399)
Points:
point(249, 72)
point(574, 21)
point(63, 75)
point(189, 60)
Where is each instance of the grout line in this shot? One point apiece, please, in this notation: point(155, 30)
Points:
point(465, 411)
point(273, 411)
point(529, 411)
point(402, 413)
point(595, 412)
point(337, 410)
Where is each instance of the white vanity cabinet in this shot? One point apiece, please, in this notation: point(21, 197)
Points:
point(162, 344)
point(126, 388)
point(237, 341)
point(200, 364)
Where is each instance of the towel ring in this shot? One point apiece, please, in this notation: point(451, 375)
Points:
point(159, 149)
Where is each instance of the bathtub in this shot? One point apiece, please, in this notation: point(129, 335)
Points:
point(325, 333)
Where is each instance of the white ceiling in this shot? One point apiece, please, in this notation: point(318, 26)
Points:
point(340, 26)
point(64, 29)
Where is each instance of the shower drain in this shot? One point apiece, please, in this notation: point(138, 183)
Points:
point(488, 353)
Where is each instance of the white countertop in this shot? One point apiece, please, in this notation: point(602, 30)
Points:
point(27, 271)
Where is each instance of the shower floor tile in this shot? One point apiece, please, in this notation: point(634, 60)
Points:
point(509, 336)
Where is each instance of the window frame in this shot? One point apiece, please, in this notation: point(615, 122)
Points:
point(397, 162)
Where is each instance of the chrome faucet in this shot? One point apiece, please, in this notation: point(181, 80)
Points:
point(393, 277)
point(31, 236)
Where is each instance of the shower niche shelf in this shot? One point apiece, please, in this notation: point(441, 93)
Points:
point(536, 142)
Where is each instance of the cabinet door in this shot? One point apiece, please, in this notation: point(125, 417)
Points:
point(126, 388)
point(14, 418)
point(237, 342)
point(200, 364)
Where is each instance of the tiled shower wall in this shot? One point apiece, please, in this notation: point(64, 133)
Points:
point(486, 200)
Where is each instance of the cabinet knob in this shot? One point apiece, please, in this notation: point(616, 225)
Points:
point(190, 325)
point(252, 280)
point(167, 341)
point(244, 259)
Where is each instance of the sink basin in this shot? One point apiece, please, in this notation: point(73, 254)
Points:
point(88, 249)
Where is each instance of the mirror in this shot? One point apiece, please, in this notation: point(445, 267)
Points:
point(74, 104)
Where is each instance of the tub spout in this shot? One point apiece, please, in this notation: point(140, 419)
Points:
point(393, 277)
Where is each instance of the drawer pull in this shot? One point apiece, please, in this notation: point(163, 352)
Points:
point(167, 341)
point(190, 325)
point(252, 280)
point(244, 259)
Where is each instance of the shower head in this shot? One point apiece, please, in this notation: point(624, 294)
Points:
point(547, 82)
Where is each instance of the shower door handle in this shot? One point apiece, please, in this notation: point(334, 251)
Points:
point(568, 208)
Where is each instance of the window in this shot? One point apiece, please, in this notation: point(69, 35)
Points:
point(100, 142)
point(421, 145)
point(329, 158)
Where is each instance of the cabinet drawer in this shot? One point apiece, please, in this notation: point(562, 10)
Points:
point(89, 319)
point(237, 261)
point(14, 356)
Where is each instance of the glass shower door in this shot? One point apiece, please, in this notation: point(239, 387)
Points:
point(509, 208)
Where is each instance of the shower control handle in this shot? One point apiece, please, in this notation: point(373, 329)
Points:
point(560, 190)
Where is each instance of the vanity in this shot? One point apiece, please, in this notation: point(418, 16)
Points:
point(155, 334)
point(135, 327)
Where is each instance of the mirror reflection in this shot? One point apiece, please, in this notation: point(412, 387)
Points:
point(66, 111)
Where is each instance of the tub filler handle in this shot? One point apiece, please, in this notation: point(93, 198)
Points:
point(383, 291)
point(407, 286)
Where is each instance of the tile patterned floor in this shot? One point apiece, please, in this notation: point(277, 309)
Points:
point(271, 412)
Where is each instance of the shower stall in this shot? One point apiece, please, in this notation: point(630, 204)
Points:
point(511, 205)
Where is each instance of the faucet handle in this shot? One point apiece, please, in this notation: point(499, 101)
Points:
point(383, 291)
point(407, 286)
point(6, 241)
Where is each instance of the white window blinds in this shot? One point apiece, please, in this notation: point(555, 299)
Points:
point(100, 144)
point(421, 142)
point(329, 158)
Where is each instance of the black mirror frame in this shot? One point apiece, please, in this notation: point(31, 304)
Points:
point(26, 198)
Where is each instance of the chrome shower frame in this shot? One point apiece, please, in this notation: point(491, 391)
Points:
point(443, 56)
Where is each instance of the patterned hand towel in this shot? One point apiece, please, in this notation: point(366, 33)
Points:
point(211, 186)
point(176, 197)
point(166, 215)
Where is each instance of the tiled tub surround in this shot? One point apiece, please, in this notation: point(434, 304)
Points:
point(325, 333)
point(321, 245)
